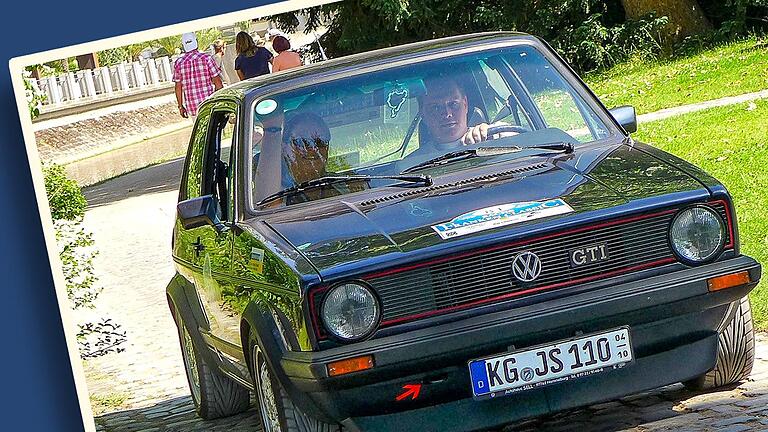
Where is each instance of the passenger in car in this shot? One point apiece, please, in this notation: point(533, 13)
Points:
point(305, 146)
point(305, 142)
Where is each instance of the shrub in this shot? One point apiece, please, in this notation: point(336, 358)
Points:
point(77, 251)
point(64, 195)
point(592, 45)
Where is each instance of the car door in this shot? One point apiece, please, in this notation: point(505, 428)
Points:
point(209, 248)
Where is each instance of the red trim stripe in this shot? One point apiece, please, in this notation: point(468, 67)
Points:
point(729, 222)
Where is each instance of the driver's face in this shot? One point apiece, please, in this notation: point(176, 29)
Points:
point(445, 113)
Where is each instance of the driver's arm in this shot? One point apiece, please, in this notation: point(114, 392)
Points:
point(268, 171)
point(479, 133)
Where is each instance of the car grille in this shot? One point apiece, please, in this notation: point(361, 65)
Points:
point(484, 276)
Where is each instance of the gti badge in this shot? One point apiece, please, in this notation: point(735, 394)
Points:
point(526, 266)
point(588, 254)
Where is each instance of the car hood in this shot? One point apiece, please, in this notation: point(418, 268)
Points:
point(390, 225)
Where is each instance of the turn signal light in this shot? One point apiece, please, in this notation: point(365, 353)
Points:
point(355, 364)
point(728, 281)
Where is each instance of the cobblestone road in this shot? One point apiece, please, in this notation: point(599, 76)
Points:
point(144, 388)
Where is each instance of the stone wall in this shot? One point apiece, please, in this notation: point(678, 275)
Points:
point(99, 134)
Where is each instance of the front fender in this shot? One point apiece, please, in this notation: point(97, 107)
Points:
point(261, 326)
point(181, 297)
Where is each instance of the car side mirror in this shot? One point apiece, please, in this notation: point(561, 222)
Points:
point(197, 212)
point(626, 117)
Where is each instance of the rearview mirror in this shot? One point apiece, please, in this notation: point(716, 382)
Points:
point(626, 117)
point(197, 212)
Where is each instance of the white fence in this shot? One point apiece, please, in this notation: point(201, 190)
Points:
point(104, 82)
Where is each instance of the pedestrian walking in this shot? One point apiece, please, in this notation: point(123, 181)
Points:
point(252, 60)
point(285, 58)
point(196, 76)
point(219, 51)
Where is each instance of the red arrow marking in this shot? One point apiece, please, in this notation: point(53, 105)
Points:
point(410, 390)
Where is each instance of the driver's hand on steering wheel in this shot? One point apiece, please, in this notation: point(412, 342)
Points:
point(479, 133)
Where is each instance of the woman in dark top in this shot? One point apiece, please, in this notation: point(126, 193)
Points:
point(252, 60)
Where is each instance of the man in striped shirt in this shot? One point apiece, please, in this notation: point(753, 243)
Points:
point(196, 75)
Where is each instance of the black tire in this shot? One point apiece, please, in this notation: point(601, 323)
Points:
point(735, 352)
point(214, 394)
point(280, 414)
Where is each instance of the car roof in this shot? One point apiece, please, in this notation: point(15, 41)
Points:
point(240, 89)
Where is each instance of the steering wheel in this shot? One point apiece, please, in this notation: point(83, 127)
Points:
point(498, 129)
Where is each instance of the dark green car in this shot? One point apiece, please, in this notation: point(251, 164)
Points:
point(449, 235)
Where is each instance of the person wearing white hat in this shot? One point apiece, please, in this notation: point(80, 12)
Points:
point(196, 75)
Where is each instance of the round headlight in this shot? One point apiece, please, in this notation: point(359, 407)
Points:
point(350, 311)
point(697, 234)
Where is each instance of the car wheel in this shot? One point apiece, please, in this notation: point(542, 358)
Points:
point(735, 352)
point(278, 413)
point(214, 394)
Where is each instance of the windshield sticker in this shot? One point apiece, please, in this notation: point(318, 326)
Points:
point(395, 101)
point(266, 106)
point(501, 215)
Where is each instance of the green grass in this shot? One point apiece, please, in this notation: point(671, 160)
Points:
point(105, 403)
point(727, 70)
point(730, 143)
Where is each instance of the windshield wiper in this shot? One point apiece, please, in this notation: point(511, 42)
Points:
point(487, 151)
point(329, 180)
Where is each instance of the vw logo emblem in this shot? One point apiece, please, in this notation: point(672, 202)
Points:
point(526, 267)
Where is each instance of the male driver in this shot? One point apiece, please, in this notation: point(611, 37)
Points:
point(444, 110)
point(196, 76)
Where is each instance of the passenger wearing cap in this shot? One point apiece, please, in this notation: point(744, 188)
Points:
point(303, 148)
point(196, 76)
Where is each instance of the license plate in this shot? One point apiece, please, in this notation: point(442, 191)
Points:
point(566, 360)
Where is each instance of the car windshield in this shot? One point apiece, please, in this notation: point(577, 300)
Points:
point(384, 122)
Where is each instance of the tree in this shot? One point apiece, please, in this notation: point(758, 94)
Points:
point(34, 98)
point(685, 17)
point(169, 44)
point(206, 37)
point(589, 33)
point(113, 56)
point(134, 50)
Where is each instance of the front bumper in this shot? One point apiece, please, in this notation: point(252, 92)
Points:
point(673, 320)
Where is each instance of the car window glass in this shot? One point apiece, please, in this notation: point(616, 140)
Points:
point(380, 123)
point(256, 137)
point(193, 178)
point(217, 180)
point(496, 93)
point(557, 101)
